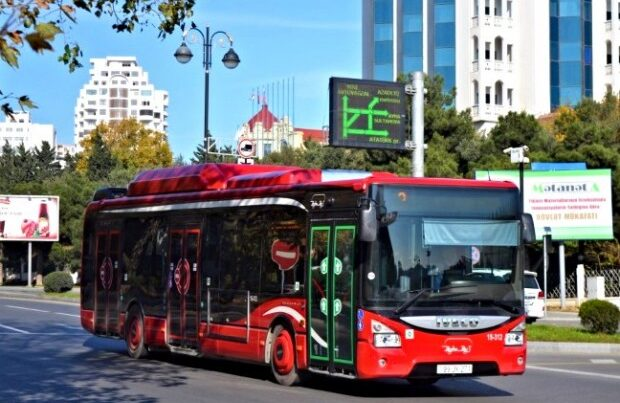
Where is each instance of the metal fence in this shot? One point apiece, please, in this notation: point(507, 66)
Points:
point(612, 282)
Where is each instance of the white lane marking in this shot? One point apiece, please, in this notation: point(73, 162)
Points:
point(68, 326)
point(14, 329)
point(67, 314)
point(566, 371)
point(603, 361)
point(44, 334)
point(26, 309)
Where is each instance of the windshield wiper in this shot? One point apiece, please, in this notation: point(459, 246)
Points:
point(416, 294)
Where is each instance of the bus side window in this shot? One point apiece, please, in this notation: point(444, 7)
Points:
point(283, 257)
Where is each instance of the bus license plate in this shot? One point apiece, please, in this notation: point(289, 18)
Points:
point(455, 368)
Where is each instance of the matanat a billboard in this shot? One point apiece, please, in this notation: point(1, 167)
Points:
point(572, 205)
point(29, 218)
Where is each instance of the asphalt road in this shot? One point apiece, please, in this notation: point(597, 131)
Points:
point(45, 356)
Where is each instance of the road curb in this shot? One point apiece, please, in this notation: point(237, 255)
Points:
point(573, 348)
point(40, 297)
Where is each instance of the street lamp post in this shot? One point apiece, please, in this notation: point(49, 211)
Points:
point(231, 60)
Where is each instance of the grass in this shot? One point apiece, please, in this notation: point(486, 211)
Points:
point(71, 295)
point(568, 334)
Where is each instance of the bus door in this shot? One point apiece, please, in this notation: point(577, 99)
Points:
point(184, 287)
point(108, 282)
point(331, 305)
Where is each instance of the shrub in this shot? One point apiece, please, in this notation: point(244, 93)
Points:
point(599, 316)
point(58, 281)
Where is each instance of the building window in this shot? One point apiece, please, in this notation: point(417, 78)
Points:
point(498, 8)
point(487, 95)
point(487, 51)
point(487, 7)
point(509, 96)
point(608, 47)
point(91, 92)
point(608, 13)
point(476, 93)
point(498, 48)
point(146, 93)
point(509, 9)
point(509, 53)
point(476, 9)
point(499, 89)
point(476, 48)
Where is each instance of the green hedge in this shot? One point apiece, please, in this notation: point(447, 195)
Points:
point(599, 316)
point(58, 281)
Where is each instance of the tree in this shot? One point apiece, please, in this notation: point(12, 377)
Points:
point(45, 162)
point(38, 23)
point(100, 161)
point(131, 144)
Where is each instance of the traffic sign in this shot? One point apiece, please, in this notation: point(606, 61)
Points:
point(245, 148)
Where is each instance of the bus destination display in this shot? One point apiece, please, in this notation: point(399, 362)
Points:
point(367, 114)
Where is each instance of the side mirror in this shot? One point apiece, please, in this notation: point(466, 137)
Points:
point(368, 221)
point(528, 234)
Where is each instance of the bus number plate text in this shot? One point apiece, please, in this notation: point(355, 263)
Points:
point(455, 368)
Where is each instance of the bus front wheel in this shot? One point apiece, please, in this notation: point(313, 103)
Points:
point(134, 334)
point(283, 365)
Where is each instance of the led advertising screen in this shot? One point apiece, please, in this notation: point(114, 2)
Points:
point(367, 114)
point(29, 218)
point(568, 205)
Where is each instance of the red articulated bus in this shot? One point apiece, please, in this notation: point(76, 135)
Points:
point(354, 274)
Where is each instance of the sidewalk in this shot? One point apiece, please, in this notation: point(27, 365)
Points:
point(556, 318)
point(23, 292)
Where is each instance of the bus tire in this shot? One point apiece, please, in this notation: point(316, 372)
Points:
point(283, 366)
point(134, 334)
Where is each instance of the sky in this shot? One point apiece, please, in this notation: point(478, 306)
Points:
point(279, 42)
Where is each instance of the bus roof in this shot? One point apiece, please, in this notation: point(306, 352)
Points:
point(210, 176)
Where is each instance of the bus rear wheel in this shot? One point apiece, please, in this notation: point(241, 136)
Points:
point(134, 334)
point(283, 365)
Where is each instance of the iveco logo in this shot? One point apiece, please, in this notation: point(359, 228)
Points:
point(457, 322)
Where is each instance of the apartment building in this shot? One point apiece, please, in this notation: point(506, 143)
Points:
point(21, 130)
point(119, 88)
point(501, 55)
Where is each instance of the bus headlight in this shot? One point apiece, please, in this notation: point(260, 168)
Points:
point(516, 336)
point(387, 340)
point(384, 336)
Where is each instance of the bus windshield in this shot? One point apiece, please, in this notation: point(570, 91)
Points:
point(445, 247)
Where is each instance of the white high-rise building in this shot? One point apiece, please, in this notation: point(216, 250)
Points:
point(501, 55)
point(20, 130)
point(118, 89)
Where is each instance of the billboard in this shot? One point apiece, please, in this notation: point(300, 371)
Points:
point(367, 114)
point(572, 205)
point(29, 218)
